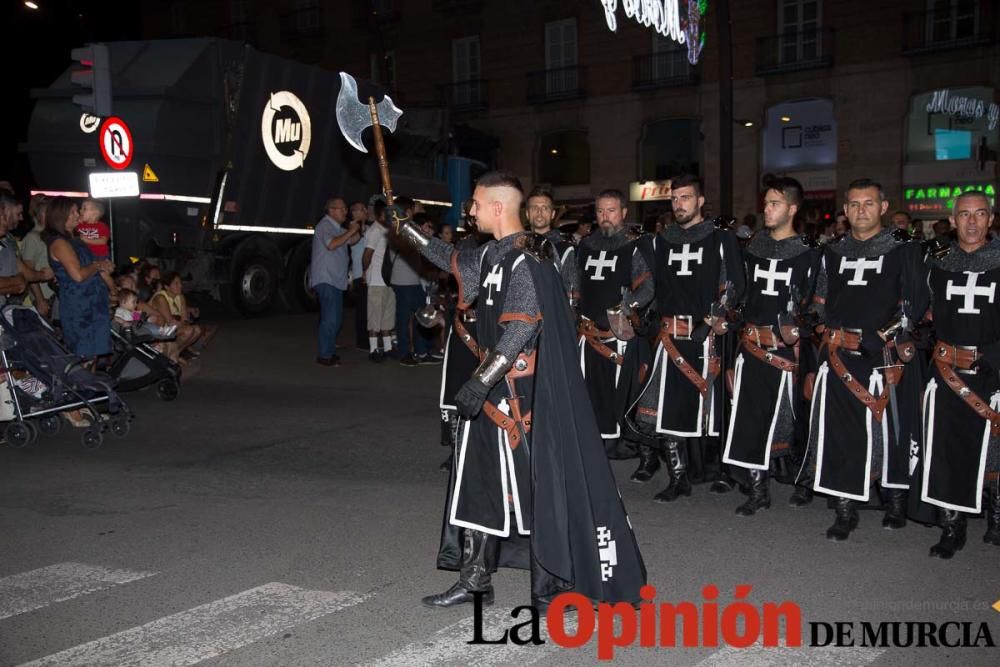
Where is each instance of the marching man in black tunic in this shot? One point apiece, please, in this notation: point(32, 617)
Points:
point(864, 413)
point(530, 460)
point(614, 276)
point(698, 277)
point(541, 214)
point(961, 422)
point(781, 269)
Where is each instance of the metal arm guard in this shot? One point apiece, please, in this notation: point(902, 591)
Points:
point(492, 369)
point(413, 235)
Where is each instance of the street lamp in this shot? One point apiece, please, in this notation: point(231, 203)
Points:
point(30, 5)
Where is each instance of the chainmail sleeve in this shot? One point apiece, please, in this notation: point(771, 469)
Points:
point(521, 319)
point(818, 305)
point(463, 263)
point(569, 269)
point(642, 287)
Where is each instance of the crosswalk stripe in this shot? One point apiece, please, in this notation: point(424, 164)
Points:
point(784, 656)
point(28, 591)
point(209, 630)
point(448, 645)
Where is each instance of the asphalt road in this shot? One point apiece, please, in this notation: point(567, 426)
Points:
point(282, 513)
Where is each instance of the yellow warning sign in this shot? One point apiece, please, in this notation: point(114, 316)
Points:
point(149, 176)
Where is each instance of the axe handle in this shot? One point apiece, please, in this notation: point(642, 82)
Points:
point(383, 162)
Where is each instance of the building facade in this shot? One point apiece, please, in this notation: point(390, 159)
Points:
point(902, 91)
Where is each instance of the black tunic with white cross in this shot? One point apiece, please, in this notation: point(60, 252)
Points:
point(606, 272)
point(958, 448)
point(865, 285)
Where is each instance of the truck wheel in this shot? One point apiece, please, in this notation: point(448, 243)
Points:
point(296, 285)
point(255, 282)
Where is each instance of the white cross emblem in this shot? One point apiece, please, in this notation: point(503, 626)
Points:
point(772, 275)
point(684, 256)
point(969, 292)
point(600, 263)
point(494, 279)
point(608, 552)
point(859, 266)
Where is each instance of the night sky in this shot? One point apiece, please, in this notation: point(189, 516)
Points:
point(37, 45)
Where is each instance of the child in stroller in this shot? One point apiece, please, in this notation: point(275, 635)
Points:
point(137, 361)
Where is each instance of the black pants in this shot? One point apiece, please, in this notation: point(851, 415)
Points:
point(359, 292)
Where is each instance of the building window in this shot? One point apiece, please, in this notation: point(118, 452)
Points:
point(953, 124)
point(564, 158)
point(561, 74)
point(669, 60)
point(466, 71)
point(951, 20)
point(237, 11)
point(670, 147)
point(799, 29)
point(383, 68)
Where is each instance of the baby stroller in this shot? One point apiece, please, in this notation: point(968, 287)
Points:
point(43, 379)
point(136, 364)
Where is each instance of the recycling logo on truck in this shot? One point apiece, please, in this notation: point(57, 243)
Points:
point(286, 130)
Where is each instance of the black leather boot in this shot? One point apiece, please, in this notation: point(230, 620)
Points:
point(895, 511)
point(801, 496)
point(679, 484)
point(724, 484)
point(760, 494)
point(952, 534)
point(992, 535)
point(479, 554)
point(649, 463)
point(846, 521)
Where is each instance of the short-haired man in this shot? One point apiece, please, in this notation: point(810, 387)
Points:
point(93, 230)
point(530, 460)
point(616, 282)
point(541, 214)
point(962, 399)
point(359, 213)
point(380, 297)
point(901, 220)
point(15, 274)
point(328, 274)
point(699, 277)
point(781, 269)
point(870, 289)
point(414, 346)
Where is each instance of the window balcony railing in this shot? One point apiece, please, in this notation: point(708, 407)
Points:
point(949, 28)
point(551, 85)
point(662, 69)
point(795, 50)
point(465, 95)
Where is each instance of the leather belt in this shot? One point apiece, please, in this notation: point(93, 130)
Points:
point(595, 338)
point(464, 334)
point(681, 326)
point(949, 357)
point(516, 423)
point(753, 340)
point(893, 375)
point(849, 339)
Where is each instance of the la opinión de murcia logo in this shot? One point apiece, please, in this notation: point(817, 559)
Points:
point(706, 624)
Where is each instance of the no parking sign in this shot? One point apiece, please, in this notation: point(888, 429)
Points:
point(116, 143)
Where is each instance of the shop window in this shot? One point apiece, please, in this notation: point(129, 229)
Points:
point(669, 148)
point(564, 158)
point(952, 124)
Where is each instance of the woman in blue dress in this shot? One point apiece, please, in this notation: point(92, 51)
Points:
point(84, 283)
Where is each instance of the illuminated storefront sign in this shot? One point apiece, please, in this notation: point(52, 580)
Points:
point(939, 199)
point(664, 16)
point(964, 106)
point(649, 191)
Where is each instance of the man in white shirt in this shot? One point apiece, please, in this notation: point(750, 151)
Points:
point(381, 298)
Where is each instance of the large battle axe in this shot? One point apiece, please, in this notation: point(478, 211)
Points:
point(354, 117)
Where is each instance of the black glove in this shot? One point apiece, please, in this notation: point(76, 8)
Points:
point(470, 396)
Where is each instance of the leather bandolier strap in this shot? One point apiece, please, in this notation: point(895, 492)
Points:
point(949, 357)
point(596, 337)
point(755, 339)
point(517, 422)
point(681, 326)
point(849, 339)
point(461, 317)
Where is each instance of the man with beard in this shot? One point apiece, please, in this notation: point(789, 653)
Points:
point(961, 422)
point(781, 268)
point(699, 276)
point(865, 403)
point(614, 276)
point(530, 461)
point(541, 214)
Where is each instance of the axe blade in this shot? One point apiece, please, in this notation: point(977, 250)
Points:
point(353, 116)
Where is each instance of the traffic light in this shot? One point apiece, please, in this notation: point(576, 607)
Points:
point(94, 78)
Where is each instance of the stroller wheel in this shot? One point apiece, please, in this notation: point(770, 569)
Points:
point(50, 424)
point(168, 389)
point(120, 425)
point(92, 438)
point(20, 434)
